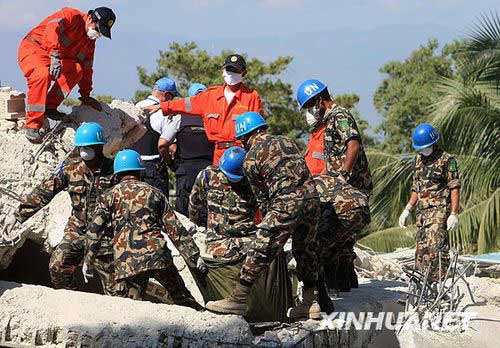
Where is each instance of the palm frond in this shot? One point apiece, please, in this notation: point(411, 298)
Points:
point(378, 159)
point(489, 230)
point(392, 190)
point(390, 239)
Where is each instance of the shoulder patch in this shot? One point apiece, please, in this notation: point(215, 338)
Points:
point(452, 166)
point(343, 125)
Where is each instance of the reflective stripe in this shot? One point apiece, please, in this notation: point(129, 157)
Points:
point(64, 39)
point(235, 117)
point(35, 108)
point(54, 20)
point(216, 116)
point(80, 55)
point(318, 155)
point(187, 102)
point(88, 63)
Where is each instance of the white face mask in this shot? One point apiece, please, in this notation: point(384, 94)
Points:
point(426, 152)
point(310, 119)
point(312, 115)
point(87, 153)
point(93, 34)
point(232, 78)
point(234, 181)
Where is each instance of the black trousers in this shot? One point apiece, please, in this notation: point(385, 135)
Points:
point(185, 176)
point(154, 177)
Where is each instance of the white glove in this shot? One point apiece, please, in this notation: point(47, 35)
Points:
point(452, 222)
point(55, 65)
point(404, 215)
point(87, 273)
point(201, 266)
point(9, 224)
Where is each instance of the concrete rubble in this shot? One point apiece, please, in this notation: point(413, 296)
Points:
point(40, 316)
point(20, 171)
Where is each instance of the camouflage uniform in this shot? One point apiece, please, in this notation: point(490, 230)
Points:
point(289, 203)
point(433, 179)
point(139, 214)
point(340, 128)
point(344, 211)
point(84, 188)
point(231, 210)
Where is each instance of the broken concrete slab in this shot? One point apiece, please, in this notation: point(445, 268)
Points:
point(122, 123)
point(12, 104)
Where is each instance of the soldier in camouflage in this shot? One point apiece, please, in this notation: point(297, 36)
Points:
point(346, 160)
point(228, 199)
point(139, 214)
point(436, 193)
point(343, 148)
point(344, 212)
point(289, 203)
point(86, 174)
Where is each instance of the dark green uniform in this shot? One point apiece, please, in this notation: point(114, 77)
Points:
point(139, 214)
point(433, 179)
point(289, 202)
point(84, 188)
point(231, 211)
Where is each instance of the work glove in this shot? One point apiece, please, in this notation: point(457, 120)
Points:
point(201, 266)
point(93, 103)
point(152, 109)
point(55, 65)
point(452, 222)
point(404, 215)
point(9, 224)
point(87, 272)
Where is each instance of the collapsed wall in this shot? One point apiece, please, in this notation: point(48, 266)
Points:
point(24, 165)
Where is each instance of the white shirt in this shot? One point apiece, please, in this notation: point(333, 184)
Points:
point(167, 126)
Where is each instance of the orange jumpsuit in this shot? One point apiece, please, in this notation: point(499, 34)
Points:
point(63, 32)
point(315, 158)
point(218, 117)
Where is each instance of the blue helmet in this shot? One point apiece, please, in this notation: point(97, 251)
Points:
point(308, 90)
point(231, 163)
point(89, 134)
point(248, 122)
point(166, 85)
point(127, 160)
point(424, 136)
point(196, 88)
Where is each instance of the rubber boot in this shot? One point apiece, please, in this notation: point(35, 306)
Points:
point(234, 304)
point(307, 308)
point(35, 136)
point(324, 300)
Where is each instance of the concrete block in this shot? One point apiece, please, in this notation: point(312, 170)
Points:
point(12, 104)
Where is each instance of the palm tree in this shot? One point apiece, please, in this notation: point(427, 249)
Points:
point(467, 115)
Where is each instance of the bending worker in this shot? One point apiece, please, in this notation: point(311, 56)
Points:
point(60, 50)
point(219, 106)
point(153, 146)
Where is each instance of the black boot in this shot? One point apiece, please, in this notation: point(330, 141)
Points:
point(324, 300)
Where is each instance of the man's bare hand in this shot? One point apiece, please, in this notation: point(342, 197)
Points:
point(152, 109)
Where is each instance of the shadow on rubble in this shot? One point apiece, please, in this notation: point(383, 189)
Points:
point(30, 265)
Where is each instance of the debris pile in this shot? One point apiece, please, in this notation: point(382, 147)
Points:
point(24, 166)
point(379, 267)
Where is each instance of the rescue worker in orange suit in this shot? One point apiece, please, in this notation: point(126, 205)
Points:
point(219, 106)
point(60, 50)
point(315, 157)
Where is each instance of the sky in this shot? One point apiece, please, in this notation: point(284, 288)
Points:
point(342, 43)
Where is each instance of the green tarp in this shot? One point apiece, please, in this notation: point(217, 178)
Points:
point(270, 297)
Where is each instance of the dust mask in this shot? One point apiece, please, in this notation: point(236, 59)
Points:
point(232, 78)
point(87, 153)
point(312, 116)
point(426, 152)
point(93, 34)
